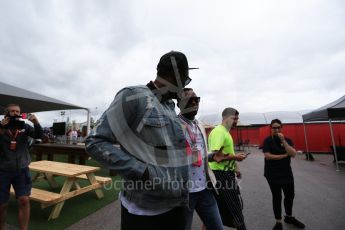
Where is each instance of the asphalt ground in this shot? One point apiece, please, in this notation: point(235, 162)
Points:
point(319, 201)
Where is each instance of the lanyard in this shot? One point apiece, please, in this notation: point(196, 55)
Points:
point(13, 137)
point(191, 135)
point(194, 152)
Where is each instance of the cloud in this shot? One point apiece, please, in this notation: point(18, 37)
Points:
point(254, 55)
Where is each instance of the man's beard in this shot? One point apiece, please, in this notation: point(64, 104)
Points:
point(171, 95)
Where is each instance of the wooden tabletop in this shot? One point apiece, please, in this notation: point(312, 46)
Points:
point(62, 169)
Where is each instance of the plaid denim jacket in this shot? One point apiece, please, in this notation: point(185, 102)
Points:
point(151, 138)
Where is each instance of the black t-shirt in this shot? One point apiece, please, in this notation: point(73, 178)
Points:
point(277, 171)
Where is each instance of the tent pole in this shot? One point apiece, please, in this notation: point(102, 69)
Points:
point(305, 138)
point(88, 121)
point(238, 139)
point(263, 114)
point(334, 148)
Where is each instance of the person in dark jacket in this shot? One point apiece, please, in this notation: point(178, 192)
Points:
point(151, 158)
point(15, 160)
point(278, 151)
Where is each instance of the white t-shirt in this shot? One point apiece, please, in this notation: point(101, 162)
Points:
point(73, 133)
point(135, 210)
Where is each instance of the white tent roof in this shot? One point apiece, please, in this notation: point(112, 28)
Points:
point(255, 118)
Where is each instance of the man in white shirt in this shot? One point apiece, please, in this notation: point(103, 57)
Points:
point(201, 197)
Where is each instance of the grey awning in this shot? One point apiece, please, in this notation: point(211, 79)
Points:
point(334, 111)
point(30, 101)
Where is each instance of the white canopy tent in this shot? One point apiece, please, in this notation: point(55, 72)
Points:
point(212, 120)
point(34, 102)
point(334, 111)
point(250, 118)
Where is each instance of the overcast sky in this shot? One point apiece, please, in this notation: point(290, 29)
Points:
point(257, 56)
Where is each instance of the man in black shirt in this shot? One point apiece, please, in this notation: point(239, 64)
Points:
point(278, 151)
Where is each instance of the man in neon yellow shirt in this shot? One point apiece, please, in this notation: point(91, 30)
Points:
point(225, 169)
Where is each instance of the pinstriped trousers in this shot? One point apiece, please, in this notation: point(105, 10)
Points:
point(229, 199)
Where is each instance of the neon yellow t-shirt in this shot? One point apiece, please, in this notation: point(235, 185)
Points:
point(219, 137)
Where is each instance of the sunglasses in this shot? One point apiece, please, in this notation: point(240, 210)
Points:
point(279, 127)
point(190, 100)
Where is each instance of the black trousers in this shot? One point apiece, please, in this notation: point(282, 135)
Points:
point(229, 200)
point(289, 195)
point(175, 219)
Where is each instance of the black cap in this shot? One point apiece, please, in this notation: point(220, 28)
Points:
point(165, 65)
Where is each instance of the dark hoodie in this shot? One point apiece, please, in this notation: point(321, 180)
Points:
point(14, 160)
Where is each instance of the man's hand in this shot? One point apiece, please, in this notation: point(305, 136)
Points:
point(281, 136)
point(33, 118)
point(219, 156)
point(238, 174)
point(5, 121)
point(240, 157)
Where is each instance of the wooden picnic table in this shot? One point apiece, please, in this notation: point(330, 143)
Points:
point(71, 188)
point(71, 150)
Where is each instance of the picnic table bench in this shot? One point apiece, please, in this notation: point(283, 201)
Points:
point(46, 198)
point(71, 187)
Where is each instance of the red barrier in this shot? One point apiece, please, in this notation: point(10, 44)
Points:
point(318, 135)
